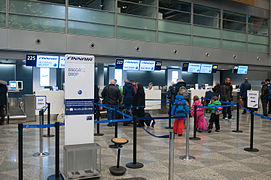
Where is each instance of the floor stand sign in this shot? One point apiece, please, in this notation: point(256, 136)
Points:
point(79, 95)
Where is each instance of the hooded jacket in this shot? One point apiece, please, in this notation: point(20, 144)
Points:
point(3, 93)
point(179, 99)
point(215, 103)
point(128, 93)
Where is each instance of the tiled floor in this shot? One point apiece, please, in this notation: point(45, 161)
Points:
point(218, 155)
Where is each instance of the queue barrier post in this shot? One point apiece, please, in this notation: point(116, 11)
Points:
point(171, 156)
point(195, 125)
point(57, 175)
point(251, 148)
point(48, 120)
point(169, 115)
point(187, 156)
point(134, 164)
point(41, 153)
point(20, 151)
point(98, 124)
point(237, 120)
point(114, 146)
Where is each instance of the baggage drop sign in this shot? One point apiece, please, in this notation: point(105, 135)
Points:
point(253, 99)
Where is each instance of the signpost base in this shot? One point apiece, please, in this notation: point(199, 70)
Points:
point(237, 131)
point(251, 150)
point(187, 158)
point(136, 165)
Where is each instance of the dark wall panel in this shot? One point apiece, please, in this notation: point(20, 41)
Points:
point(7, 72)
point(24, 73)
point(158, 77)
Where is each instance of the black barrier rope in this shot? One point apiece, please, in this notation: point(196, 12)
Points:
point(20, 151)
point(48, 120)
point(237, 120)
point(195, 125)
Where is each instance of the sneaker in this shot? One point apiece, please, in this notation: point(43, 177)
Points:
point(209, 131)
point(217, 130)
point(244, 112)
point(226, 118)
point(152, 123)
point(179, 134)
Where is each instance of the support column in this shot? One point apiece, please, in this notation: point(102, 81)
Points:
point(100, 73)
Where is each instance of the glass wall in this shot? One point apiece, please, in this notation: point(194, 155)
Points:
point(165, 21)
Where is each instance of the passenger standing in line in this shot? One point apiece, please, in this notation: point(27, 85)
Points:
point(267, 81)
point(264, 98)
point(111, 96)
point(201, 124)
point(217, 89)
point(245, 86)
point(139, 102)
point(128, 93)
point(214, 115)
point(3, 101)
point(134, 85)
point(179, 109)
point(180, 84)
point(226, 95)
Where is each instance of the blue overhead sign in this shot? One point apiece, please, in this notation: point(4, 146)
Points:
point(31, 60)
point(119, 64)
point(47, 61)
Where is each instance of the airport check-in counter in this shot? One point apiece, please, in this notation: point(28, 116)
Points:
point(55, 98)
point(154, 97)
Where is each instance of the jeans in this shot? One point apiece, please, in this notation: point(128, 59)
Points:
point(110, 115)
point(245, 103)
point(214, 119)
point(264, 105)
point(226, 110)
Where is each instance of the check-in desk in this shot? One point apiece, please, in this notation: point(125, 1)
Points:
point(55, 98)
point(154, 101)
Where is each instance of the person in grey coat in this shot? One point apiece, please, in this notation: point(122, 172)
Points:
point(226, 96)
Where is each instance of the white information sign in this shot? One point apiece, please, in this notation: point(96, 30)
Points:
point(79, 96)
point(47, 61)
point(131, 65)
point(253, 99)
point(147, 65)
point(40, 102)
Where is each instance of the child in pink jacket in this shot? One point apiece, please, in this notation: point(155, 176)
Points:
point(202, 124)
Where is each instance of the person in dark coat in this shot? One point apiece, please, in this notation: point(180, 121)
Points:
point(217, 89)
point(139, 101)
point(128, 93)
point(226, 95)
point(245, 86)
point(267, 81)
point(180, 84)
point(96, 101)
point(111, 96)
point(264, 97)
point(3, 101)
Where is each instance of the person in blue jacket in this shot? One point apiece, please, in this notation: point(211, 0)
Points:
point(128, 95)
point(245, 86)
point(179, 109)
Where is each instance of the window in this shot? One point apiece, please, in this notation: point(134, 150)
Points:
point(174, 15)
point(175, 76)
point(206, 16)
point(107, 5)
point(136, 9)
point(176, 5)
point(234, 21)
point(258, 26)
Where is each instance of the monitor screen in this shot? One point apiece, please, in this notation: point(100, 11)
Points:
point(193, 68)
point(131, 65)
point(147, 65)
point(206, 68)
point(242, 69)
point(13, 85)
point(47, 61)
point(61, 62)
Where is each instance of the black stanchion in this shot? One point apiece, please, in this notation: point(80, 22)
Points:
point(251, 149)
point(169, 114)
point(195, 125)
point(20, 151)
point(57, 175)
point(116, 131)
point(134, 164)
point(98, 124)
point(237, 120)
point(48, 120)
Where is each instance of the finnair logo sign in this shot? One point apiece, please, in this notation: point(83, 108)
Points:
point(79, 58)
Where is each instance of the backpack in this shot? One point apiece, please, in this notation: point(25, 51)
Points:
point(218, 110)
point(185, 92)
point(180, 110)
